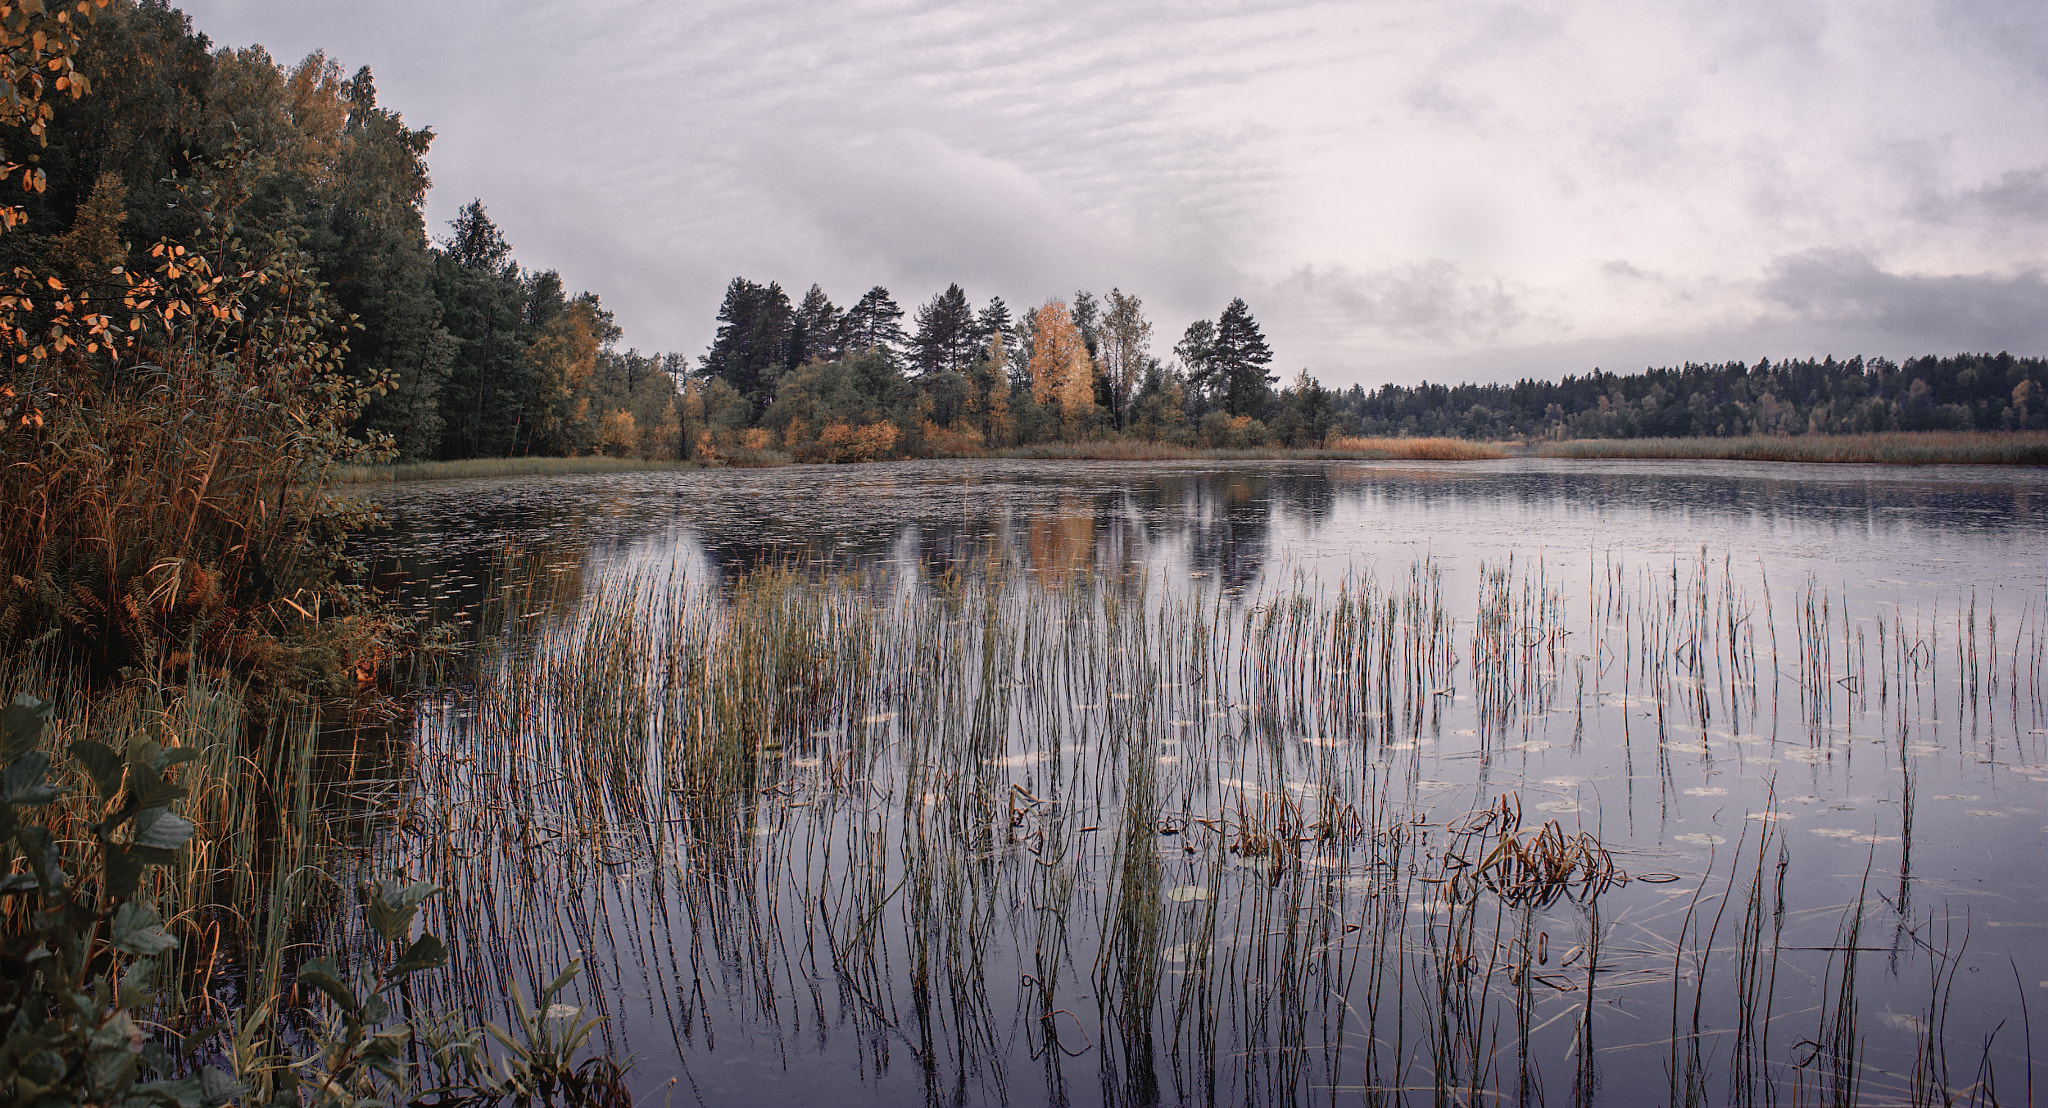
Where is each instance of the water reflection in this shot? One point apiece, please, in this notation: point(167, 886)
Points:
point(1213, 848)
point(1231, 523)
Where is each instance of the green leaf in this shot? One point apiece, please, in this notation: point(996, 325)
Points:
point(560, 982)
point(157, 827)
point(44, 859)
point(138, 930)
point(23, 782)
point(176, 755)
point(392, 906)
point(135, 991)
point(21, 726)
point(324, 975)
point(216, 1087)
point(425, 953)
point(151, 790)
point(101, 764)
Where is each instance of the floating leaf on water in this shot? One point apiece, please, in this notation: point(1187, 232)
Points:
point(1808, 799)
point(1769, 815)
point(1706, 790)
point(1465, 731)
point(1904, 1022)
point(1398, 746)
point(1017, 761)
point(1806, 756)
point(1186, 893)
point(1699, 838)
point(1563, 782)
point(1559, 806)
point(1656, 878)
point(1986, 812)
point(1747, 739)
point(1532, 746)
point(1956, 796)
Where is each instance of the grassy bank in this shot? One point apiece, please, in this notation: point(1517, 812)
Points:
point(1891, 448)
point(1343, 449)
point(1107, 450)
point(500, 467)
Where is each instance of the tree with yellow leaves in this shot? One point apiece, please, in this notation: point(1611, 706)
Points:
point(1062, 373)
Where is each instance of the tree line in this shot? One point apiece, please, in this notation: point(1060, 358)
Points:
point(459, 351)
point(1963, 392)
point(807, 378)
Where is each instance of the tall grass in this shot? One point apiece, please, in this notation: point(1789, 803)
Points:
point(1891, 448)
point(501, 467)
point(1174, 838)
point(1417, 449)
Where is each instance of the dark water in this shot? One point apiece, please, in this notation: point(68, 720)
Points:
point(1889, 735)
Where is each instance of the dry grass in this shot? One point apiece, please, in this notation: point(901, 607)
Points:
point(500, 467)
point(1421, 450)
point(1342, 448)
point(1891, 448)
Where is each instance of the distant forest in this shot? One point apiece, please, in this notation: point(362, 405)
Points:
point(459, 351)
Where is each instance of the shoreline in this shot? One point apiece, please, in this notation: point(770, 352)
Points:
point(1903, 448)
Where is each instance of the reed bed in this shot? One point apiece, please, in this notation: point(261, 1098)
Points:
point(2028, 448)
point(500, 467)
point(1418, 449)
point(1111, 839)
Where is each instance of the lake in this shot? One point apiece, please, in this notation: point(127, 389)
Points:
point(990, 782)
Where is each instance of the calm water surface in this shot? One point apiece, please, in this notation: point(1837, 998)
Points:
point(1684, 660)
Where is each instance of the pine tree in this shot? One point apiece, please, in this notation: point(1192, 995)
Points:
point(873, 324)
point(819, 331)
point(752, 347)
point(1241, 356)
point(945, 333)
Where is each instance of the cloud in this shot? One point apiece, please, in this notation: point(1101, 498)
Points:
point(2017, 196)
point(1845, 290)
point(1432, 301)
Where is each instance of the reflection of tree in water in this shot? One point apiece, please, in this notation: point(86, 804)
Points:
point(1821, 495)
point(1229, 526)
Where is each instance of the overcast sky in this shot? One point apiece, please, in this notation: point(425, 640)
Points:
point(1399, 190)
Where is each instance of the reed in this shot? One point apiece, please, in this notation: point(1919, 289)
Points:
point(1177, 831)
point(502, 467)
point(2029, 448)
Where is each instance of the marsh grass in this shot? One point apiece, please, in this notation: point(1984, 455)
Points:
point(1095, 837)
point(501, 467)
point(1338, 448)
point(1890, 448)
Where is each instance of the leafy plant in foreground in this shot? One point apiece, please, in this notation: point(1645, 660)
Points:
point(73, 978)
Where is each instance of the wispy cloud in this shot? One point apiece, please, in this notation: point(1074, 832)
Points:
point(1390, 185)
